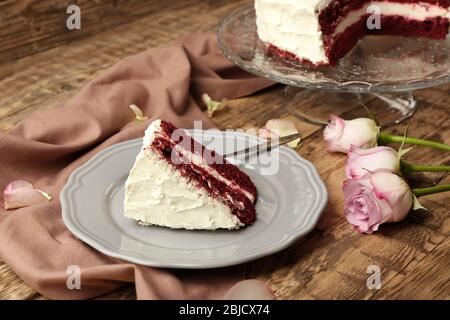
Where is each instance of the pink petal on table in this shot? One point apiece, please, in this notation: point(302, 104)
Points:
point(281, 128)
point(250, 290)
point(267, 133)
point(17, 184)
point(20, 193)
point(211, 105)
point(138, 114)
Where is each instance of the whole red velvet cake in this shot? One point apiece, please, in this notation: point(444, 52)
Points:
point(176, 182)
point(320, 32)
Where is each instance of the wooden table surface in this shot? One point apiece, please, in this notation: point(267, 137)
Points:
point(42, 64)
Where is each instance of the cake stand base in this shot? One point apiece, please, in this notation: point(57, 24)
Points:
point(315, 106)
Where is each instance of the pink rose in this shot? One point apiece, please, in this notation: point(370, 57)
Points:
point(360, 161)
point(340, 134)
point(377, 198)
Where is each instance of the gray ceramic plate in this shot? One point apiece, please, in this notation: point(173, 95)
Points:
point(288, 207)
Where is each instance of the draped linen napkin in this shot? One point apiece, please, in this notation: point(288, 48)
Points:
point(45, 148)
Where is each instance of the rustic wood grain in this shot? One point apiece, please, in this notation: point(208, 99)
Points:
point(329, 263)
point(31, 26)
point(58, 73)
point(332, 262)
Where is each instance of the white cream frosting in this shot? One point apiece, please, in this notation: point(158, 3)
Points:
point(156, 194)
point(293, 25)
point(151, 131)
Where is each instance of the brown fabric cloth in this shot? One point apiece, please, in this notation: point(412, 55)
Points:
point(45, 148)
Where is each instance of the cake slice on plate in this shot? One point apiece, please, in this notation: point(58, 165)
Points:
point(320, 32)
point(177, 183)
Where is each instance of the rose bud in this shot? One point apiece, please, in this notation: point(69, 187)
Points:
point(377, 198)
point(360, 161)
point(340, 134)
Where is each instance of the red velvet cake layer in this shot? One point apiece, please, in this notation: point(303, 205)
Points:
point(338, 47)
point(273, 51)
point(331, 15)
point(215, 161)
point(236, 200)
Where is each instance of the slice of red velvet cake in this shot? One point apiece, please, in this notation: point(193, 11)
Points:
point(177, 183)
point(320, 32)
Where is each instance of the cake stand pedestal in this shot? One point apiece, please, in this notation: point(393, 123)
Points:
point(315, 106)
point(380, 74)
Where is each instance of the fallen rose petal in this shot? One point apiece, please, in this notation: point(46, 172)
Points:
point(17, 184)
point(250, 290)
point(267, 134)
point(211, 105)
point(280, 128)
point(138, 112)
point(20, 193)
point(206, 99)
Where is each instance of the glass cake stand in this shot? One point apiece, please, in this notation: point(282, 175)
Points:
point(380, 74)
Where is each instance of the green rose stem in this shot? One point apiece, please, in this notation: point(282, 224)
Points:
point(385, 138)
point(431, 190)
point(408, 167)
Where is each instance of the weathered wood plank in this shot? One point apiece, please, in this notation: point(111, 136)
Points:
point(428, 278)
point(12, 287)
point(50, 77)
point(31, 26)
